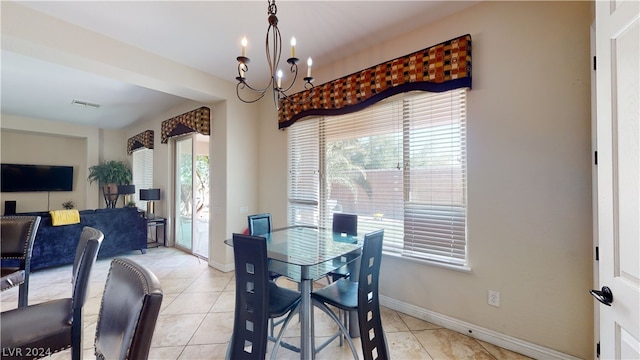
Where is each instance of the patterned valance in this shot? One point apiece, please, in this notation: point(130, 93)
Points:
point(144, 139)
point(197, 120)
point(438, 68)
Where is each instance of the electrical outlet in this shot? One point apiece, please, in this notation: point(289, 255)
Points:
point(494, 298)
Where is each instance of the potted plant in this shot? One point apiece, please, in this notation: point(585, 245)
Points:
point(110, 174)
point(69, 204)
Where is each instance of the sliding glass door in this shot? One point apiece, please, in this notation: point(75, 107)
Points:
point(192, 194)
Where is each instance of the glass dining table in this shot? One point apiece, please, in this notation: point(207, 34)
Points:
point(305, 254)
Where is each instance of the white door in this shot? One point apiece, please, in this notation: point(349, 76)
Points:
point(618, 173)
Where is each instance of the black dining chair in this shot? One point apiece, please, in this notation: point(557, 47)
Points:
point(17, 234)
point(259, 224)
point(54, 325)
point(361, 297)
point(343, 224)
point(128, 313)
point(257, 300)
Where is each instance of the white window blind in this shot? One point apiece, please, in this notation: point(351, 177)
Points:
point(435, 177)
point(399, 165)
point(363, 169)
point(304, 187)
point(142, 173)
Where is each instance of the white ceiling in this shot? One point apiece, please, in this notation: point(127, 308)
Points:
point(204, 35)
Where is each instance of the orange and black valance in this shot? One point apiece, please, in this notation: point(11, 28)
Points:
point(144, 139)
point(198, 120)
point(438, 68)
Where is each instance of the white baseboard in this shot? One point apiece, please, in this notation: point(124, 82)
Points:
point(474, 331)
point(222, 267)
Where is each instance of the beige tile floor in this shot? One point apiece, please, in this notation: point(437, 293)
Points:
point(196, 318)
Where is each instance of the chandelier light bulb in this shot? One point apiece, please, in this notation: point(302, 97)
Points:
point(279, 78)
point(244, 46)
point(309, 63)
point(293, 46)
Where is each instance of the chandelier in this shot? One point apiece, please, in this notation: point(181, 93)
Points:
point(273, 52)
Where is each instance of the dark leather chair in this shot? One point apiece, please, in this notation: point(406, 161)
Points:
point(361, 297)
point(17, 234)
point(54, 325)
point(257, 300)
point(343, 224)
point(129, 311)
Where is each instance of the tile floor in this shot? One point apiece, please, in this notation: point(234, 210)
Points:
point(196, 318)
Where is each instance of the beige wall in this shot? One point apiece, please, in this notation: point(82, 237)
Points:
point(26, 148)
point(272, 157)
point(529, 174)
point(53, 139)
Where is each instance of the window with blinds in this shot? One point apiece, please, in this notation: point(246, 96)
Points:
point(399, 165)
point(142, 173)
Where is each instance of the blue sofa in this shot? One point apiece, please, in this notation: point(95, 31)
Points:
point(125, 230)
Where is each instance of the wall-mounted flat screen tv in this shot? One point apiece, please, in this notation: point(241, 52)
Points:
point(25, 178)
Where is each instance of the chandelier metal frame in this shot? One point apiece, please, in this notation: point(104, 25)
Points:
point(273, 54)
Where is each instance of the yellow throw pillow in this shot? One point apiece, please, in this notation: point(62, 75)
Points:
point(64, 217)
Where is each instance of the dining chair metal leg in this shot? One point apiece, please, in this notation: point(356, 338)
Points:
point(278, 340)
point(343, 330)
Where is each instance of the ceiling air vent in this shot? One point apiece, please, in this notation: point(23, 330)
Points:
point(85, 104)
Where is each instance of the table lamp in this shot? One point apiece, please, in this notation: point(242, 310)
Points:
point(150, 195)
point(126, 190)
